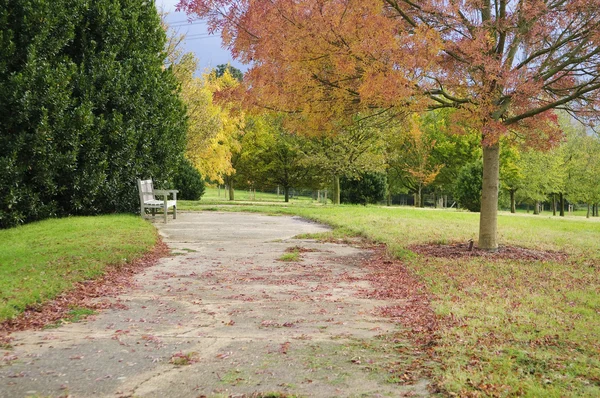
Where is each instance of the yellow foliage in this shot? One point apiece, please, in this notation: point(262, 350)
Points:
point(213, 129)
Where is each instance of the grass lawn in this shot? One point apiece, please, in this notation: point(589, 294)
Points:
point(38, 261)
point(508, 327)
point(215, 195)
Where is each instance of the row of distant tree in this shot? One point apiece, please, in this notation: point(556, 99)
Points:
point(412, 155)
point(376, 157)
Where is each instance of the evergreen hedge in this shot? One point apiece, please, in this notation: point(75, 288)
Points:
point(86, 107)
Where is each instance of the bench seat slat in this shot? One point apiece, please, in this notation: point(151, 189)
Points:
point(159, 203)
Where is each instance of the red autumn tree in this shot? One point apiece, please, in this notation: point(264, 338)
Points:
point(504, 65)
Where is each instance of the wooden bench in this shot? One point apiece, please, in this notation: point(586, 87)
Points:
point(148, 199)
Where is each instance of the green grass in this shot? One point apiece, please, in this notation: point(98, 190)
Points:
point(38, 261)
point(290, 257)
point(216, 196)
point(508, 327)
point(76, 314)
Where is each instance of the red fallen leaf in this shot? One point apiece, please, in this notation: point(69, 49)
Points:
point(284, 347)
point(76, 357)
point(224, 355)
point(84, 294)
point(230, 323)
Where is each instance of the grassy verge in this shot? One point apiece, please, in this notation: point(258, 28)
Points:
point(509, 327)
point(41, 260)
point(216, 196)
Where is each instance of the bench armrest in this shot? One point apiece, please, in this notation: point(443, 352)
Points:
point(165, 193)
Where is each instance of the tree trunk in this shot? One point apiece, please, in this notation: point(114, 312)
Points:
point(513, 205)
point(229, 182)
point(553, 204)
point(562, 204)
point(536, 208)
point(286, 191)
point(588, 211)
point(389, 199)
point(488, 217)
point(418, 196)
point(336, 190)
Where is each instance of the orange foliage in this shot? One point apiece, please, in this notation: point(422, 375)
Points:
point(504, 67)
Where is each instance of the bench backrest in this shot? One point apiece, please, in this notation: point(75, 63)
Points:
point(146, 189)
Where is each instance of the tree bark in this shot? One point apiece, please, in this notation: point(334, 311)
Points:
point(229, 182)
point(588, 211)
point(286, 191)
point(389, 199)
point(488, 217)
point(536, 208)
point(553, 204)
point(419, 196)
point(562, 204)
point(336, 190)
point(513, 205)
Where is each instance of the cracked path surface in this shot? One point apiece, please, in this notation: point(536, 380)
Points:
point(222, 317)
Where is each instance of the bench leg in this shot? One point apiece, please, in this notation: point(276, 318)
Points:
point(165, 210)
point(142, 211)
point(175, 212)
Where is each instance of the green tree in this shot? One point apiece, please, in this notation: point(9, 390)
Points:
point(357, 149)
point(511, 173)
point(232, 70)
point(541, 176)
point(583, 183)
point(273, 156)
point(86, 107)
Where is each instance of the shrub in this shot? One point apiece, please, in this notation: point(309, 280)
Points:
point(467, 188)
point(188, 181)
point(367, 188)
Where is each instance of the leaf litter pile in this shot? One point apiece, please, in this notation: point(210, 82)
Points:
point(461, 250)
point(91, 294)
point(393, 281)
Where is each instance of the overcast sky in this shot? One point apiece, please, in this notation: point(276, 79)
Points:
point(207, 48)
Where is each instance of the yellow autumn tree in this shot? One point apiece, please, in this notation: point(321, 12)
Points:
point(213, 131)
